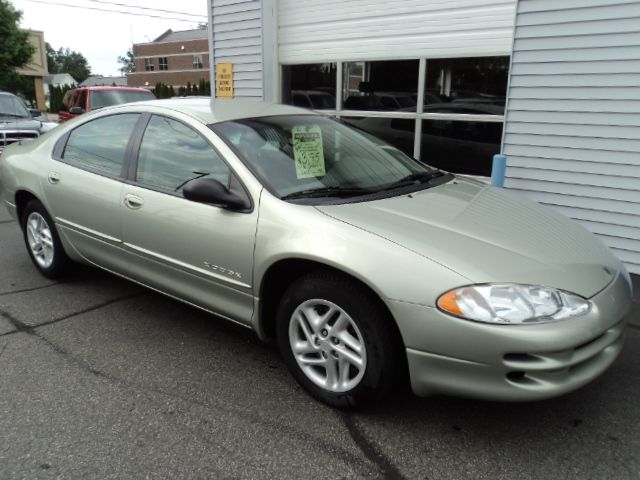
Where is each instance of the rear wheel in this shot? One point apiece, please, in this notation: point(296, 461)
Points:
point(42, 241)
point(338, 340)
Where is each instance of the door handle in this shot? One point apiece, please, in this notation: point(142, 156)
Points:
point(54, 177)
point(133, 201)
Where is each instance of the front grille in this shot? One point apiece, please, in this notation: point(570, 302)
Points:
point(539, 368)
point(7, 137)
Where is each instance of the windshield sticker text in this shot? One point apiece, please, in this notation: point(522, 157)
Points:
point(307, 151)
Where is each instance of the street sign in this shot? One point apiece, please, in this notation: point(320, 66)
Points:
point(224, 80)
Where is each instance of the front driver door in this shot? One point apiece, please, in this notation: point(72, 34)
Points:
point(200, 253)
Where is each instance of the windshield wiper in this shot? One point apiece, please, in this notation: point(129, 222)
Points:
point(414, 179)
point(340, 192)
point(12, 115)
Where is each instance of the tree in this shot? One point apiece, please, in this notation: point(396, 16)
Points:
point(15, 48)
point(127, 62)
point(68, 61)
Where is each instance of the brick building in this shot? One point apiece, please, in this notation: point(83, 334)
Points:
point(174, 58)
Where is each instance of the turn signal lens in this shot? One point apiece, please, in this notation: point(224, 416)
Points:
point(512, 304)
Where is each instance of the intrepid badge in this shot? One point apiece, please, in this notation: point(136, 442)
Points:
point(225, 271)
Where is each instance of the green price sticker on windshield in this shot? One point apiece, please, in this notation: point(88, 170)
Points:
point(307, 151)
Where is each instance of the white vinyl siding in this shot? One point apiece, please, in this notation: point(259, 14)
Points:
point(571, 131)
point(312, 31)
point(237, 39)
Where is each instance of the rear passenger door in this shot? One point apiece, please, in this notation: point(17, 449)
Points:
point(199, 252)
point(84, 187)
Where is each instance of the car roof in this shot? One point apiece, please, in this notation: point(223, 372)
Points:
point(107, 87)
point(220, 110)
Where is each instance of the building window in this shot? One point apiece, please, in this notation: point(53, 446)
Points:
point(452, 119)
point(163, 63)
point(310, 86)
point(385, 86)
point(467, 85)
point(148, 65)
point(197, 62)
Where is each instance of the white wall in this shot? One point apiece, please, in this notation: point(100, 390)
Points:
point(572, 133)
point(237, 38)
point(313, 31)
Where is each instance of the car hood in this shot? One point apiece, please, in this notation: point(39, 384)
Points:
point(488, 234)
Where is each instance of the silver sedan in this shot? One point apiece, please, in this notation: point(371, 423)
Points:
point(367, 267)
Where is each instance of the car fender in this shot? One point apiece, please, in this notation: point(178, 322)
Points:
point(293, 231)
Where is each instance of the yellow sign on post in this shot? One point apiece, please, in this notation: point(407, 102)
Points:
point(224, 80)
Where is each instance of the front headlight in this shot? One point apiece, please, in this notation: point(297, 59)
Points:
point(512, 304)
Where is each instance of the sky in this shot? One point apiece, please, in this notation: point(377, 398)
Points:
point(102, 36)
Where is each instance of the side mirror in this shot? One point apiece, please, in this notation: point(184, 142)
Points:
point(76, 110)
point(35, 112)
point(210, 190)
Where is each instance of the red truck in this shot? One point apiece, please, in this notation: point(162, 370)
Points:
point(84, 99)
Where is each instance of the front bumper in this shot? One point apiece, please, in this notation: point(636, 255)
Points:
point(447, 355)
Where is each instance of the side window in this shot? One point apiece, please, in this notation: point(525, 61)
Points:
point(171, 154)
point(100, 145)
point(81, 100)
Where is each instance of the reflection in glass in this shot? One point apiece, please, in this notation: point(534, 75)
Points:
point(346, 158)
point(398, 132)
point(106, 98)
point(100, 145)
point(466, 85)
point(171, 154)
point(384, 86)
point(310, 86)
point(460, 147)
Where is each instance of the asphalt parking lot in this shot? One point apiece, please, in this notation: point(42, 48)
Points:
point(100, 378)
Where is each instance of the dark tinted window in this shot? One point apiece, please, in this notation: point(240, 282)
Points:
point(171, 154)
point(106, 98)
point(460, 146)
point(100, 145)
point(310, 86)
point(388, 85)
point(477, 85)
point(399, 132)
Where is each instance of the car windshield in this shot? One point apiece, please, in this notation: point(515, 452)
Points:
point(11, 106)
point(311, 156)
point(106, 98)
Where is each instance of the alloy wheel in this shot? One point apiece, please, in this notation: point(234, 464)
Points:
point(327, 345)
point(40, 239)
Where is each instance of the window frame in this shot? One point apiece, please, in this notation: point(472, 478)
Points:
point(198, 61)
point(149, 64)
point(418, 116)
point(60, 148)
point(131, 177)
point(162, 64)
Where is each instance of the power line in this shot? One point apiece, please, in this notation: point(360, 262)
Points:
point(147, 8)
point(113, 11)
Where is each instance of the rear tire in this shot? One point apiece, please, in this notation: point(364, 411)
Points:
point(338, 341)
point(42, 241)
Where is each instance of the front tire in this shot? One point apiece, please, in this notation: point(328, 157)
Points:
point(42, 241)
point(338, 340)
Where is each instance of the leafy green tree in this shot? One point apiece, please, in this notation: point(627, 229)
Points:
point(15, 48)
point(65, 60)
point(127, 62)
